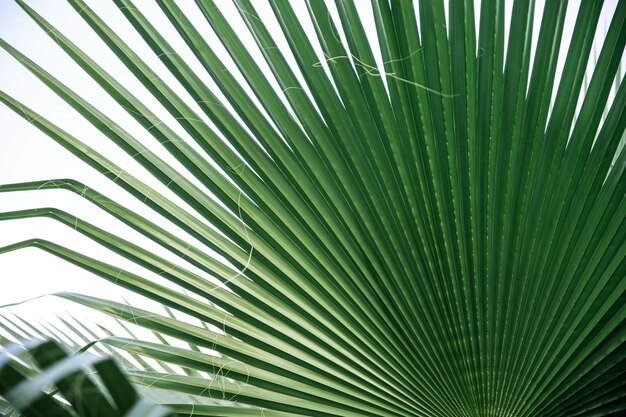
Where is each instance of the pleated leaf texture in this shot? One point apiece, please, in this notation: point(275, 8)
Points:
point(422, 223)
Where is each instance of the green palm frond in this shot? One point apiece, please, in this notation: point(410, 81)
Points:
point(55, 384)
point(388, 219)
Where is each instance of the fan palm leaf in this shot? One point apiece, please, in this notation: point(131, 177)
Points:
point(111, 395)
point(389, 219)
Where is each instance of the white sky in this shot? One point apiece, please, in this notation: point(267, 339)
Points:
point(26, 154)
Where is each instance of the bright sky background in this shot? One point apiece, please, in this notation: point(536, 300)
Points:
point(26, 154)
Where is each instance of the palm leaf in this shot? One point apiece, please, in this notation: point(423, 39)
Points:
point(73, 391)
point(385, 218)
